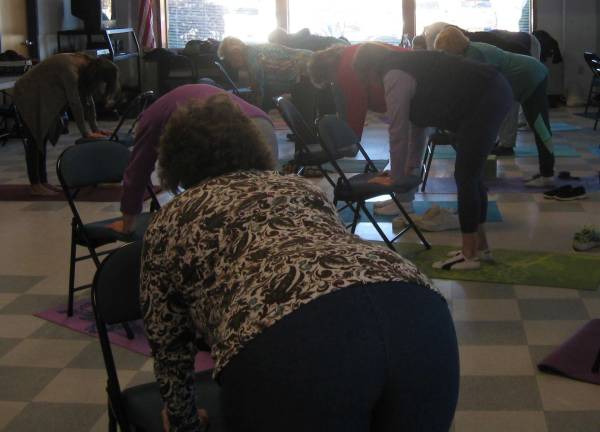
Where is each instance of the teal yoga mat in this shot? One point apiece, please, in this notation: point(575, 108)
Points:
point(560, 150)
point(564, 127)
point(493, 214)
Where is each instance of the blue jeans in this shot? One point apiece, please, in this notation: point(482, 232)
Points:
point(377, 357)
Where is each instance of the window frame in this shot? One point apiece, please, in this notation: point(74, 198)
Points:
point(409, 8)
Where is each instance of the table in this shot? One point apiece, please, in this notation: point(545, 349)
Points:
point(7, 82)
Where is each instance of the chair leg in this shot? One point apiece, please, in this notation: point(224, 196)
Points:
point(412, 223)
point(128, 331)
point(112, 420)
point(72, 270)
point(355, 218)
point(597, 118)
point(361, 205)
point(429, 160)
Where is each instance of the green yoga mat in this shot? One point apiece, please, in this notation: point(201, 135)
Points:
point(560, 150)
point(559, 270)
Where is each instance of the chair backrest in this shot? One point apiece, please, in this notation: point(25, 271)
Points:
point(295, 122)
point(91, 163)
point(234, 87)
point(338, 136)
point(593, 61)
point(116, 285)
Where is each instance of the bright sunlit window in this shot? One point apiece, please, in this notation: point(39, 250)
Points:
point(475, 15)
point(357, 20)
point(249, 20)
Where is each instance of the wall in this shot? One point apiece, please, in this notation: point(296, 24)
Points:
point(53, 15)
point(13, 25)
point(574, 24)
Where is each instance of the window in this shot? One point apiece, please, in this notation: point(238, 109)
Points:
point(249, 20)
point(475, 15)
point(356, 20)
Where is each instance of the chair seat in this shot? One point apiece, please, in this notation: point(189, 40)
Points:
point(143, 404)
point(315, 156)
point(442, 138)
point(360, 189)
point(100, 234)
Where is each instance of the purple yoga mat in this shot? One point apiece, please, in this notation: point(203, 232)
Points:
point(445, 185)
point(577, 357)
point(82, 321)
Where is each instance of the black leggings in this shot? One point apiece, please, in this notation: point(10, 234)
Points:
point(536, 113)
point(377, 357)
point(475, 139)
point(35, 157)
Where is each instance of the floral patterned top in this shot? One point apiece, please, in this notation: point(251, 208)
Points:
point(232, 256)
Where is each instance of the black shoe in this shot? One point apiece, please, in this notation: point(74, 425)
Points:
point(571, 195)
point(503, 151)
point(551, 194)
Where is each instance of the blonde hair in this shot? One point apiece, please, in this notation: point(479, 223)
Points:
point(369, 58)
point(227, 44)
point(323, 65)
point(452, 40)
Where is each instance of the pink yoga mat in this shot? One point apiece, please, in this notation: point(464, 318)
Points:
point(82, 321)
point(577, 357)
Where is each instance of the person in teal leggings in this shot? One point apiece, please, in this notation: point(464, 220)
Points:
point(529, 81)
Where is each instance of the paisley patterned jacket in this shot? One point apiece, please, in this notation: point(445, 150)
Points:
point(232, 256)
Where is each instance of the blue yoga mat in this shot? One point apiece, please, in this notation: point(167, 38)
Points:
point(560, 150)
point(595, 150)
point(493, 213)
point(564, 127)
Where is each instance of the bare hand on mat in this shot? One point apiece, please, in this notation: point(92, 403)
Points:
point(124, 225)
point(202, 415)
point(383, 179)
point(94, 135)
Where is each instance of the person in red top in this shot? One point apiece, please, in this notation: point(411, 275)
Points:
point(353, 98)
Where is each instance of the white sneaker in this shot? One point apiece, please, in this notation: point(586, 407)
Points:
point(438, 219)
point(540, 181)
point(392, 209)
point(483, 255)
point(378, 204)
point(458, 262)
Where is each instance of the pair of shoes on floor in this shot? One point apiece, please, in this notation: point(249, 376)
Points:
point(586, 239)
point(435, 219)
point(503, 151)
point(389, 208)
point(566, 193)
point(539, 180)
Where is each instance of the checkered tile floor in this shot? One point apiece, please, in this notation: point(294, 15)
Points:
point(52, 379)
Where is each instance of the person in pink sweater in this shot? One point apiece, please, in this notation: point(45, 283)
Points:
point(147, 137)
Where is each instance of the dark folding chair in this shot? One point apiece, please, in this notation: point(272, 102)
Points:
point(335, 133)
point(88, 165)
point(593, 61)
point(309, 151)
point(439, 137)
point(115, 297)
point(138, 104)
point(243, 92)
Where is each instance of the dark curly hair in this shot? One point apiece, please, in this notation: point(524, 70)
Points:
point(208, 139)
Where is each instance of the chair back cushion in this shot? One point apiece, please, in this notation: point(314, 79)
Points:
point(295, 122)
point(338, 136)
point(116, 285)
point(91, 163)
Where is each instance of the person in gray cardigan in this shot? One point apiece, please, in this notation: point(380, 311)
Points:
point(62, 81)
